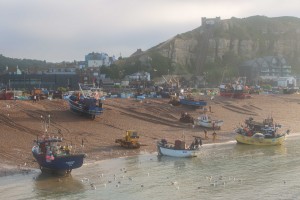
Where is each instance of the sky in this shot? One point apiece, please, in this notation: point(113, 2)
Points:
point(67, 30)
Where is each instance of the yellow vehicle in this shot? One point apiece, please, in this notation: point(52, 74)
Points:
point(131, 140)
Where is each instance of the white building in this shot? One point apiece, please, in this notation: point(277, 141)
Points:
point(286, 82)
point(99, 59)
point(140, 76)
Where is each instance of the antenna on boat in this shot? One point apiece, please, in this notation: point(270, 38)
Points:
point(48, 125)
point(81, 90)
point(45, 125)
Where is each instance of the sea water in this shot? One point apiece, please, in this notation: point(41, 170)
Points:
point(222, 171)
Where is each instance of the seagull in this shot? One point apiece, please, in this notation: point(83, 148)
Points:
point(93, 186)
point(174, 183)
point(213, 184)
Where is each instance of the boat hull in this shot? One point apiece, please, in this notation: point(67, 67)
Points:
point(60, 164)
point(209, 124)
point(186, 153)
point(192, 103)
point(259, 141)
point(80, 108)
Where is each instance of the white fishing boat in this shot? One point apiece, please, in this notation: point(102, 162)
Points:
point(206, 121)
point(179, 149)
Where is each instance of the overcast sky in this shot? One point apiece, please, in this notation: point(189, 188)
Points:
point(67, 30)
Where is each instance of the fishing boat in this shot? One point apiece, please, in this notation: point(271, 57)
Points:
point(260, 133)
point(260, 139)
point(179, 149)
point(191, 101)
point(54, 158)
point(88, 104)
point(238, 89)
point(6, 95)
point(207, 122)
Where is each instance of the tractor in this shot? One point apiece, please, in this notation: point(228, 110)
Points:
point(130, 140)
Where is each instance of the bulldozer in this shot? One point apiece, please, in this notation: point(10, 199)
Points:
point(130, 140)
point(39, 93)
point(186, 118)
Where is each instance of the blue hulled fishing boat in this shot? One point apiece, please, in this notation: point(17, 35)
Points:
point(54, 158)
point(189, 100)
point(88, 104)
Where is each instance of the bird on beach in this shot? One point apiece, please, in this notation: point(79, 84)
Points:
point(174, 183)
point(85, 179)
point(93, 186)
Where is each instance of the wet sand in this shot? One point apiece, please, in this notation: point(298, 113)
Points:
point(154, 119)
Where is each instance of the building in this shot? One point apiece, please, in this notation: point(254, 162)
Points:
point(30, 81)
point(61, 70)
point(286, 82)
point(12, 70)
point(265, 68)
point(210, 22)
point(139, 76)
point(99, 59)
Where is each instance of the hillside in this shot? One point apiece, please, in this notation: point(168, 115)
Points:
point(22, 63)
point(218, 43)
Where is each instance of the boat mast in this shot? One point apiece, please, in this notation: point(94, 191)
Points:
point(81, 90)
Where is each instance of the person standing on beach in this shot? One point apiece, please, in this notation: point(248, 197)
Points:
point(205, 134)
point(214, 135)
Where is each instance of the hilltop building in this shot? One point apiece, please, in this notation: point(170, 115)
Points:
point(209, 22)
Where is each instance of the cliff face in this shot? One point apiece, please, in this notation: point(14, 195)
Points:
point(243, 39)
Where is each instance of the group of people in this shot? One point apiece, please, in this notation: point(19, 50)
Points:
point(196, 143)
point(214, 134)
